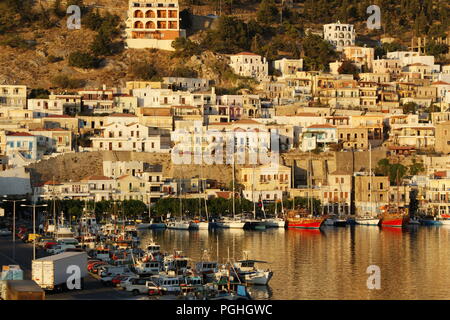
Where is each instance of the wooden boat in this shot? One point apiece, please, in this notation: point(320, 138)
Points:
point(394, 217)
point(300, 218)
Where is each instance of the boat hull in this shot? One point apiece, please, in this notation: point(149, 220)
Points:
point(260, 278)
point(305, 223)
point(275, 223)
point(179, 226)
point(394, 222)
point(426, 222)
point(230, 225)
point(158, 226)
point(368, 222)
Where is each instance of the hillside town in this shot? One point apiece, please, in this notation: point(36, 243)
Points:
point(154, 133)
point(397, 107)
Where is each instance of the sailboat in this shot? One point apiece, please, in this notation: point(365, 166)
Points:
point(199, 224)
point(303, 218)
point(234, 222)
point(276, 222)
point(394, 216)
point(179, 224)
point(369, 219)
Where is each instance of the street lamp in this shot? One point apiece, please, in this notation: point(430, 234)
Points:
point(34, 223)
point(14, 223)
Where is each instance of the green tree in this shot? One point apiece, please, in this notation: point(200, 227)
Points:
point(102, 45)
point(410, 108)
point(318, 53)
point(416, 167)
point(83, 60)
point(347, 67)
point(267, 12)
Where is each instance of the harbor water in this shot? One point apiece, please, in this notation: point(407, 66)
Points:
point(414, 263)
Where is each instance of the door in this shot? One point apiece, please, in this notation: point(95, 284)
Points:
point(110, 146)
point(143, 146)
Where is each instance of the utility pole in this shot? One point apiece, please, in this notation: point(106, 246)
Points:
point(14, 224)
point(34, 224)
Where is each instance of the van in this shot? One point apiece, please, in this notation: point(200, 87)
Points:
point(110, 270)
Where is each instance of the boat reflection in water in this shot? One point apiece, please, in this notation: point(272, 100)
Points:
point(260, 292)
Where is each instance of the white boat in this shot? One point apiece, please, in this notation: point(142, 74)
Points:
point(275, 222)
point(206, 267)
point(247, 272)
point(168, 282)
point(148, 267)
point(367, 221)
point(178, 225)
point(230, 223)
point(200, 225)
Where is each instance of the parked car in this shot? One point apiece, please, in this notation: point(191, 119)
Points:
point(44, 240)
point(5, 232)
point(140, 286)
point(95, 268)
point(59, 248)
point(127, 280)
point(107, 280)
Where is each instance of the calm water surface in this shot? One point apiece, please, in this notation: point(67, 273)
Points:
point(330, 264)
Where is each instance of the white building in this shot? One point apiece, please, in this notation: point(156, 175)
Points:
point(116, 169)
point(46, 107)
point(411, 57)
point(339, 34)
point(247, 64)
point(128, 137)
point(288, 67)
point(21, 145)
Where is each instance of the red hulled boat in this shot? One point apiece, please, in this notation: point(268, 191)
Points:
point(302, 219)
point(394, 217)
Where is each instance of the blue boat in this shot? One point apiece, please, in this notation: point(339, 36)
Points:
point(430, 222)
point(159, 225)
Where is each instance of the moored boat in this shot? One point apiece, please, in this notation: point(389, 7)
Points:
point(301, 219)
point(367, 221)
point(394, 217)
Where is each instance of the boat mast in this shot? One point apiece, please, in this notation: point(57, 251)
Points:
point(203, 190)
point(253, 193)
point(234, 204)
point(370, 179)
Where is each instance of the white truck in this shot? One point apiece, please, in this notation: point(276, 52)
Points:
point(60, 271)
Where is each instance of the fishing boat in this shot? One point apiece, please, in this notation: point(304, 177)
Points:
point(301, 218)
point(394, 216)
point(206, 267)
point(247, 271)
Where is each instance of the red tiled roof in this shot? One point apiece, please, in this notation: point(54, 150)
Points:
point(440, 83)
point(440, 174)
point(50, 182)
point(245, 54)
point(326, 125)
point(20, 134)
